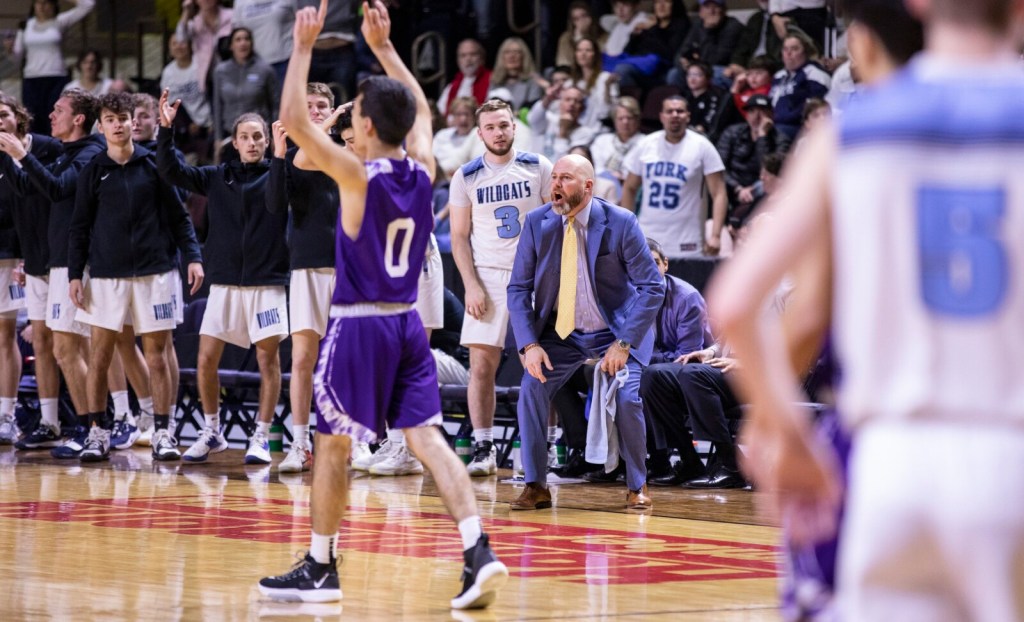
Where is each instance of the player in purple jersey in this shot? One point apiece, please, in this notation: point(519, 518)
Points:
point(384, 224)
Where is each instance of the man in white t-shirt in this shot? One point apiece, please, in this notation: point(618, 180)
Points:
point(673, 165)
point(488, 201)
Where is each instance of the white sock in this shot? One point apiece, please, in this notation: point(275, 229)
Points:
point(396, 437)
point(471, 530)
point(146, 406)
point(552, 434)
point(300, 434)
point(484, 434)
point(213, 421)
point(322, 547)
point(121, 405)
point(263, 427)
point(48, 406)
point(7, 405)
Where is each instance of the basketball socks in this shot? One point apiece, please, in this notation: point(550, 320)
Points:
point(552, 434)
point(146, 405)
point(263, 427)
point(7, 405)
point(484, 435)
point(471, 529)
point(301, 434)
point(161, 422)
point(121, 405)
point(48, 408)
point(101, 420)
point(212, 421)
point(321, 548)
point(396, 437)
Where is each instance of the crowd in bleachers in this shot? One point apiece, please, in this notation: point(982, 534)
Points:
point(745, 84)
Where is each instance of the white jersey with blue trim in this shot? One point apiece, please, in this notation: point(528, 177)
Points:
point(500, 197)
point(928, 230)
point(672, 210)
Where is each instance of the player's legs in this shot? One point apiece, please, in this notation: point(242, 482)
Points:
point(67, 351)
point(10, 374)
point(305, 347)
point(269, 362)
point(48, 385)
point(155, 345)
point(483, 364)
point(101, 351)
point(210, 439)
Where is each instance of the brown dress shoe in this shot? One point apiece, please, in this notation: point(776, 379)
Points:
point(534, 497)
point(638, 499)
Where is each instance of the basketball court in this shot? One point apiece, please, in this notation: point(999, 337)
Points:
point(137, 540)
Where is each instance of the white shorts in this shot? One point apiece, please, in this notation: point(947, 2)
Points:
point(147, 300)
point(12, 295)
point(62, 314)
point(243, 316)
point(178, 300)
point(430, 298)
point(492, 329)
point(934, 523)
point(309, 302)
point(36, 292)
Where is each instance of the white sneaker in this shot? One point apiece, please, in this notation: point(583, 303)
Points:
point(485, 460)
point(259, 449)
point(364, 462)
point(360, 452)
point(210, 441)
point(400, 462)
point(165, 445)
point(299, 459)
point(553, 456)
point(97, 445)
point(9, 432)
point(145, 430)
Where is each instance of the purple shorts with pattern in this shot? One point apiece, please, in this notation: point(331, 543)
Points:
point(376, 370)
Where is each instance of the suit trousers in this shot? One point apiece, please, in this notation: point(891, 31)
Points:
point(535, 400)
point(672, 392)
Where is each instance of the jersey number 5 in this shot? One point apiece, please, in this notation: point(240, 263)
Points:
point(964, 269)
point(397, 263)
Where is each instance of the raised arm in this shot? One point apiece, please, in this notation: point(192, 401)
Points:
point(377, 32)
point(339, 163)
point(172, 168)
point(67, 19)
point(276, 195)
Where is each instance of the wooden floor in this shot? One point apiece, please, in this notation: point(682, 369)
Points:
point(134, 540)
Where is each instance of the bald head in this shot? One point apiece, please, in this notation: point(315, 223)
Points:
point(572, 184)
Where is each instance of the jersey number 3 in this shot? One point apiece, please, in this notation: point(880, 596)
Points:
point(508, 215)
point(964, 268)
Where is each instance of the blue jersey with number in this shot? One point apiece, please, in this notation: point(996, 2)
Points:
point(928, 229)
point(383, 264)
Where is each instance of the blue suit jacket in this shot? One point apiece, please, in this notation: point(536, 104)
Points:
point(626, 282)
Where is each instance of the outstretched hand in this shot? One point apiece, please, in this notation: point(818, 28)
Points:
point(168, 111)
point(376, 24)
point(308, 24)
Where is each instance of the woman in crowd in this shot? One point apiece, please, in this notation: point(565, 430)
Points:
point(598, 85)
point(243, 83)
point(38, 44)
point(800, 79)
point(89, 64)
point(581, 23)
point(515, 70)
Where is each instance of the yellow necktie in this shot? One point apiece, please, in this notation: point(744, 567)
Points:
point(566, 321)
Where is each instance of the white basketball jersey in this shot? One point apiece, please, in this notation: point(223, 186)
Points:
point(673, 180)
point(929, 246)
point(500, 197)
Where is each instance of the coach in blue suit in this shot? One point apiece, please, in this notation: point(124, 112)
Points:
point(618, 291)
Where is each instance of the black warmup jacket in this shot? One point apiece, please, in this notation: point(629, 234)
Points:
point(29, 210)
point(245, 243)
point(125, 216)
point(314, 199)
point(58, 182)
